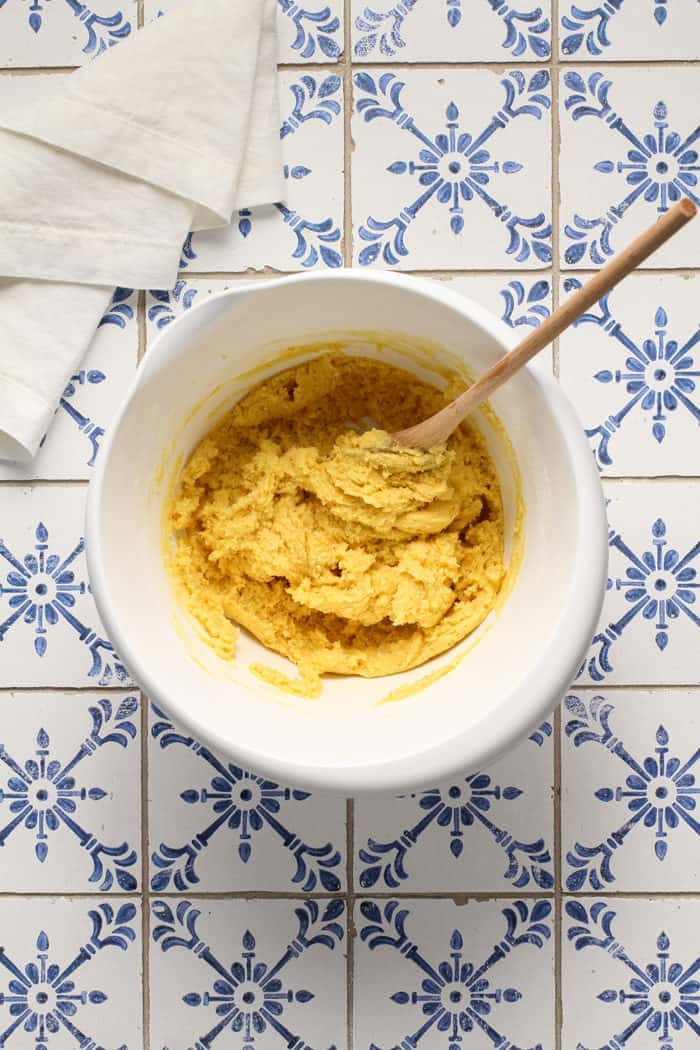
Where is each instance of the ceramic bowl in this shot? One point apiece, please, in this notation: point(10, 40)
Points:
point(352, 740)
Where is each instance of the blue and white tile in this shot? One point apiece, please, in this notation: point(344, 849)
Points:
point(306, 230)
point(649, 629)
point(163, 307)
point(312, 32)
point(450, 31)
point(522, 302)
point(470, 185)
point(630, 786)
point(630, 973)
point(214, 827)
point(90, 400)
point(437, 974)
point(631, 366)
point(44, 33)
point(50, 633)
point(629, 150)
point(488, 832)
point(248, 972)
point(618, 31)
point(70, 973)
point(70, 792)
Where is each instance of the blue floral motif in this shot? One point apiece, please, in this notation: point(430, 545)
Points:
point(313, 99)
point(454, 167)
point(314, 29)
point(382, 29)
point(43, 794)
point(659, 790)
point(659, 375)
point(188, 253)
point(663, 997)
point(41, 590)
point(659, 586)
point(42, 997)
point(248, 996)
point(455, 808)
point(162, 313)
point(577, 21)
point(521, 307)
point(119, 312)
point(92, 431)
point(539, 735)
point(455, 997)
point(102, 31)
point(660, 166)
point(245, 804)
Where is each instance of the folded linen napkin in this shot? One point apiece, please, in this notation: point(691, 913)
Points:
point(103, 173)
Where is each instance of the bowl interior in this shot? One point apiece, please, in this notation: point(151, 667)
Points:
point(348, 738)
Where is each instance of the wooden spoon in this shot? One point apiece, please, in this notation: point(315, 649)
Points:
point(437, 429)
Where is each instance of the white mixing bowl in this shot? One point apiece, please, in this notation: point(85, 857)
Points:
point(348, 740)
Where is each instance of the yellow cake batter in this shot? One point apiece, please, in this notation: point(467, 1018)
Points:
point(334, 548)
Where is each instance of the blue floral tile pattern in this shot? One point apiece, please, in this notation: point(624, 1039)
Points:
point(234, 829)
point(631, 974)
point(430, 973)
point(308, 32)
point(476, 167)
point(629, 151)
point(621, 30)
point(485, 830)
point(467, 893)
point(91, 398)
point(69, 792)
point(630, 784)
point(236, 973)
point(50, 632)
point(631, 365)
point(70, 973)
point(306, 230)
point(650, 626)
point(62, 32)
point(450, 31)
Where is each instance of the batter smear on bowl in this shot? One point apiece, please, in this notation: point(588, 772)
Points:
point(333, 548)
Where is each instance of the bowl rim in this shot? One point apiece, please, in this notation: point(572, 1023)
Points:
point(538, 692)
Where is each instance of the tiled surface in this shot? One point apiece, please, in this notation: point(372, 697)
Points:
point(549, 901)
point(309, 32)
point(244, 971)
point(90, 399)
point(70, 972)
point(461, 165)
point(630, 966)
point(446, 973)
point(51, 33)
point(631, 368)
point(628, 148)
point(450, 31)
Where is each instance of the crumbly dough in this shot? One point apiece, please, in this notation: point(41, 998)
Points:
point(345, 554)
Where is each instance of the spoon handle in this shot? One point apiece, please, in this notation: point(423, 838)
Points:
point(437, 428)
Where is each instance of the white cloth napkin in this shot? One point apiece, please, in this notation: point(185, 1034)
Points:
point(103, 173)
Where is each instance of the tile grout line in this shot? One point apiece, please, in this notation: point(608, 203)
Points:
point(352, 898)
point(556, 190)
point(350, 922)
point(446, 64)
point(267, 273)
point(554, 360)
point(145, 883)
point(347, 135)
point(558, 888)
point(348, 248)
